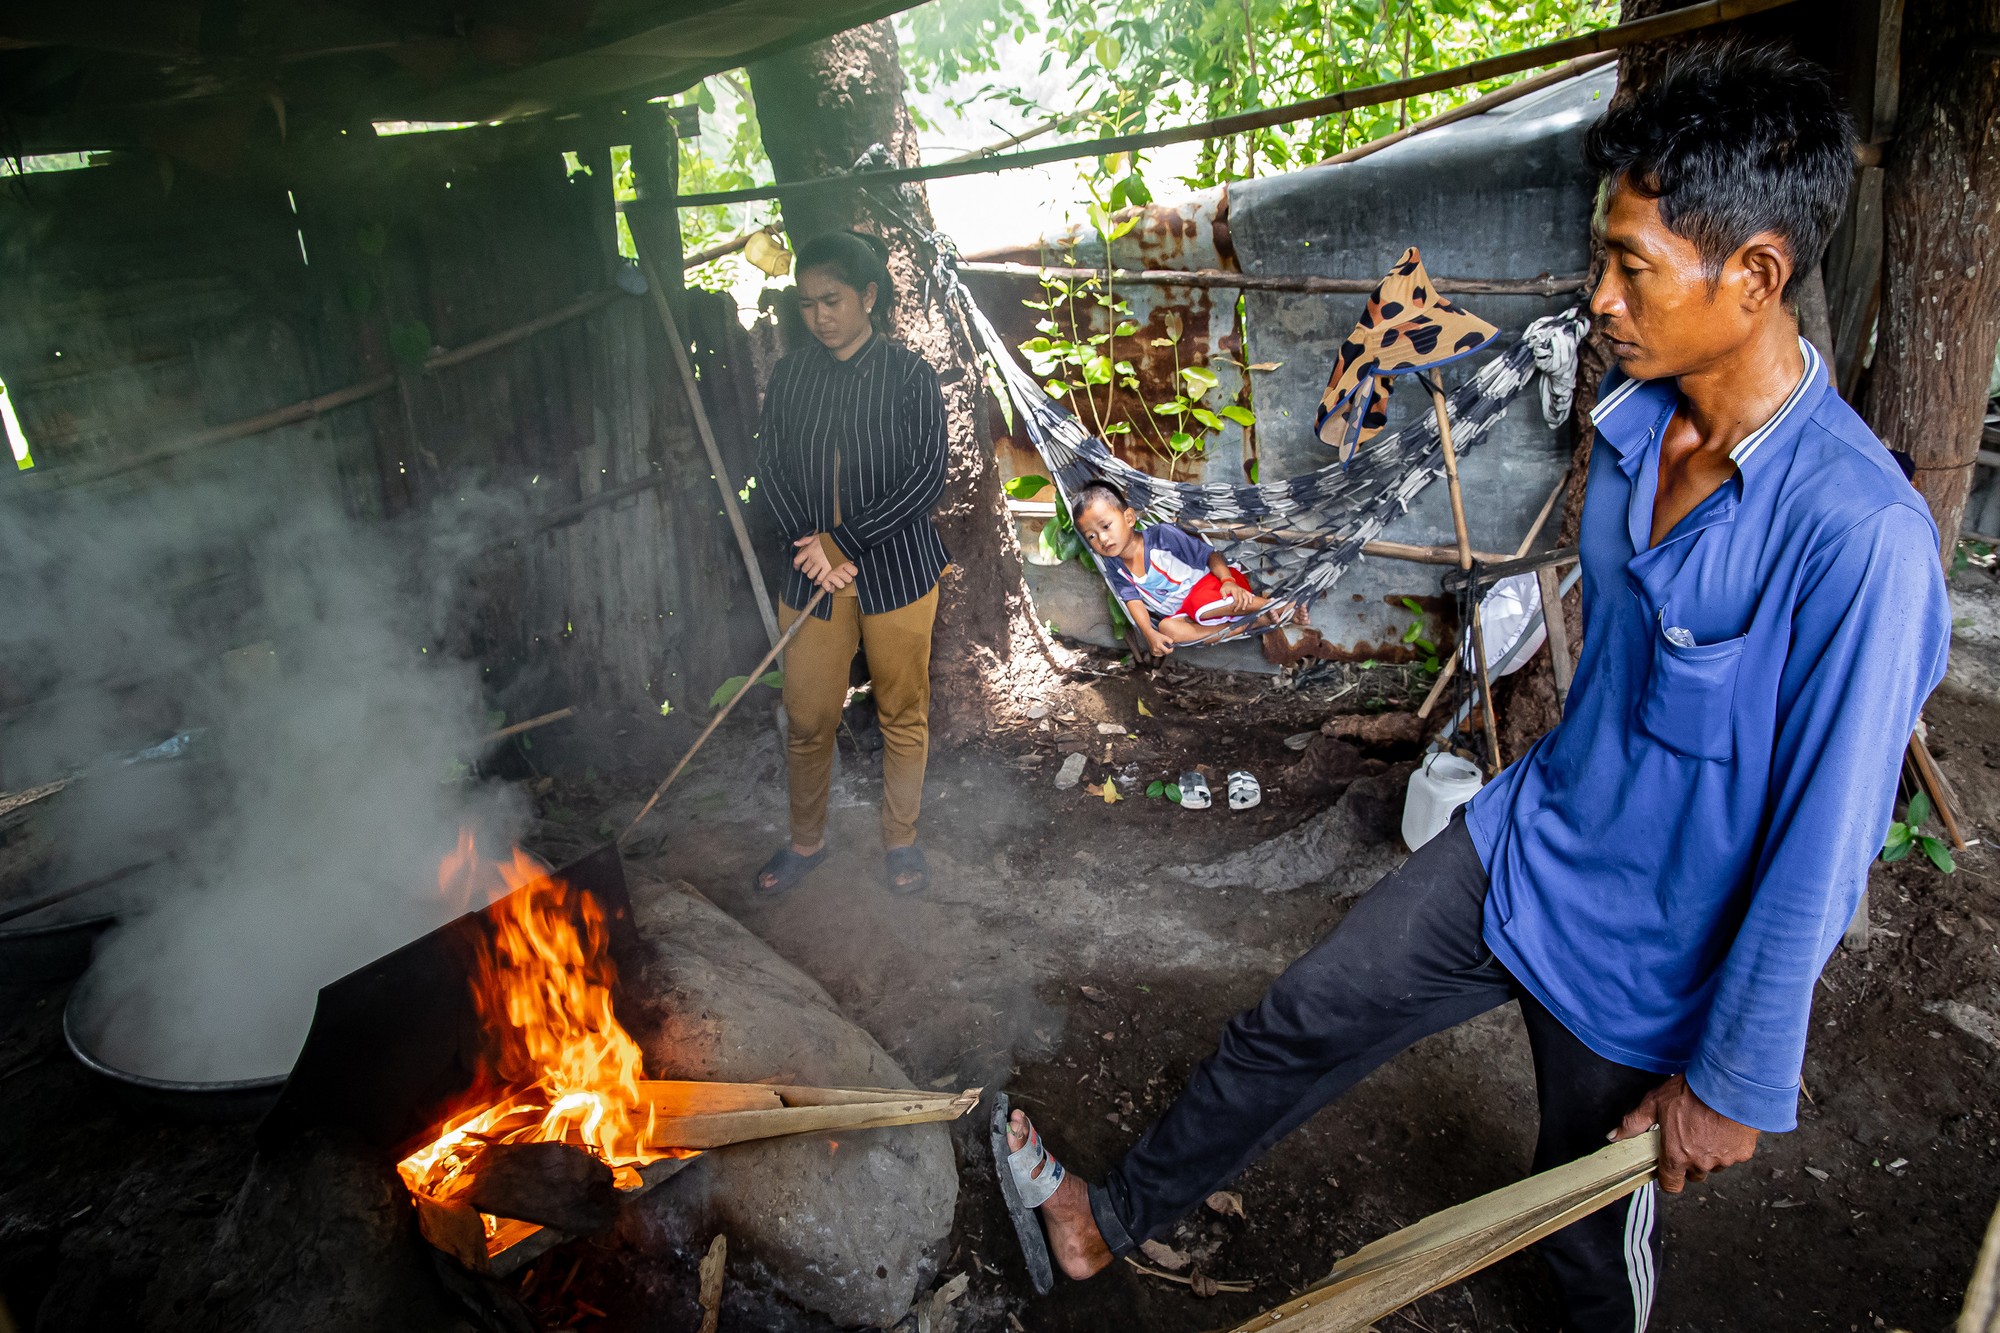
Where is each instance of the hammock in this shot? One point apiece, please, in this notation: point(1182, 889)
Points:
point(1295, 537)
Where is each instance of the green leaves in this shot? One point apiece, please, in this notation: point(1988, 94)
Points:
point(1026, 488)
point(1200, 379)
point(1907, 835)
point(735, 685)
point(1159, 788)
point(410, 343)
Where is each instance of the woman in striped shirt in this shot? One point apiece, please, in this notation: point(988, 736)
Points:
point(852, 460)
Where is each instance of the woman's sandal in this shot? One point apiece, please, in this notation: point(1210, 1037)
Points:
point(907, 861)
point(1028, 1179)
point(786, 868)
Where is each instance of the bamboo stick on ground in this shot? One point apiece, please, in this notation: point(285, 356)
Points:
point(1443, 1248)
point(755, 673)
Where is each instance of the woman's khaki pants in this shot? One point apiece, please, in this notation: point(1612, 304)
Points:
point(899, 663)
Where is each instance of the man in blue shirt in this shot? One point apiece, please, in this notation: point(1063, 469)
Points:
point(1660, 879)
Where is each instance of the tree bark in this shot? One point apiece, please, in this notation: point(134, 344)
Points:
point(820, 107)
point(1940, 316)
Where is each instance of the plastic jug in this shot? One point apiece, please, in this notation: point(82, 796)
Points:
point(1442, 783)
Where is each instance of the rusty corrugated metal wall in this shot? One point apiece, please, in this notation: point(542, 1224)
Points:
point(1500, 195)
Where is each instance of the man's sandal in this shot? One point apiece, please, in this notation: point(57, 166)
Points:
point(786, 868)
point(906, 861)
point(1025, 1190)
point(1244, 791)
point(1194, 791)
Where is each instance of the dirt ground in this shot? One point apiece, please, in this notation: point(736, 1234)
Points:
point(1057, 953)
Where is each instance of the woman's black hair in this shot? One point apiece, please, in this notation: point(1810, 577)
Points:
point(1732, 140)
point(856, 258)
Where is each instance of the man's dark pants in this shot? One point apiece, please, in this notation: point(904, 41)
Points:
point(1408, 960)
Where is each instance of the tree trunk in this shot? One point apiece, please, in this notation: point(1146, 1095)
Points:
point(820, 107)
point(1940, 315)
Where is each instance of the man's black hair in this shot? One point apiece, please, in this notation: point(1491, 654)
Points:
point(1091, 492)
point(1732, 140)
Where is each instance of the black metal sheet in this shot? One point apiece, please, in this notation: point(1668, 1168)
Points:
point(394, 1046)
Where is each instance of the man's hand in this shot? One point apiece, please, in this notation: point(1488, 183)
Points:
point(1694, 1140)
point(838, 577)
point(1160, 644)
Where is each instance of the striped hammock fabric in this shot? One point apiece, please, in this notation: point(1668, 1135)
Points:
point(1294, 537)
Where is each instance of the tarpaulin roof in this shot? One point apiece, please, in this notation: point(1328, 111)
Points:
point(106, 73)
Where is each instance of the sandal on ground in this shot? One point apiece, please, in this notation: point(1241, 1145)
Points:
point(786, 868)
point(1244, 791)
point(907, 861)
point(1194, 791)
point(1025, 1190)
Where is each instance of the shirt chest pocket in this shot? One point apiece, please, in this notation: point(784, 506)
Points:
point(1690, 695)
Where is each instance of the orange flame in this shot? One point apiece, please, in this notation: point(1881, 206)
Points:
point(543, 988)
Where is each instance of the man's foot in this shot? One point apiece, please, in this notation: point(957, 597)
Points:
point(1074, 1241)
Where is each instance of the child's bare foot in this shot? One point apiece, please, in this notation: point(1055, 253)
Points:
point(1074, 1241)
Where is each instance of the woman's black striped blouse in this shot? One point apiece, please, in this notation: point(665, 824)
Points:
point(878, 416)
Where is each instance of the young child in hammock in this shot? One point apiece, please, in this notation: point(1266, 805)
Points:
point(1174, 585)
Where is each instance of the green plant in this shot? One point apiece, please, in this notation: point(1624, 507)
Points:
point(1159, 787)
point(1907, 832)
point(1084, 368)
point(1414, 636)
point(735, 685)
point(1136, 64)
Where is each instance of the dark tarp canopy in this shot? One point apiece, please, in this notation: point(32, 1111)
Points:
point(99, 74)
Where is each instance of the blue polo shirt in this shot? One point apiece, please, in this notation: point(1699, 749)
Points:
point(1672, 865)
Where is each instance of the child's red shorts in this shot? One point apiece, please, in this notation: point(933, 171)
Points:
point(1202, 601)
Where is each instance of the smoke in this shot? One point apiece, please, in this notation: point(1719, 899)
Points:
point(300, 835)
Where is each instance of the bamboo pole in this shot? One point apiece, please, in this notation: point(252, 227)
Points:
point(1229, 279)
point(529, 725)
point(1527, 542)
point(722, 713)
point(1513, 92)
point(1382, 1277)
point(1686, 19)
point(1465, 563)
point(692, 387)
point(307, 408)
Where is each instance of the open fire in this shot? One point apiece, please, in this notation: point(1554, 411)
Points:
point(565, 1069)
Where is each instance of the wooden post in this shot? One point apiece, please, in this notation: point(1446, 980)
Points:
point(1558, 632)
point(692, 388)
point(655, 216)
point(1465, 562)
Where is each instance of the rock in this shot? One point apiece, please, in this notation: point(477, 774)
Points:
point(1377, 728)
point(849, 1227)
point(1071, 772)
point(1330, 766)
point(317, 1238)
point(1341, 851)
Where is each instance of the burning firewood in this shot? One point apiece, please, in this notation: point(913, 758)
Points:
point(553, 1184)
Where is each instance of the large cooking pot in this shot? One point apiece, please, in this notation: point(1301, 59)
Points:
point(206, 1103)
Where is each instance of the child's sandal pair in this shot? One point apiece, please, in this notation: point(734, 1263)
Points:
point(1243, 790)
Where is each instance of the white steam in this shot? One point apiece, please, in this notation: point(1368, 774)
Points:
point(307, 826)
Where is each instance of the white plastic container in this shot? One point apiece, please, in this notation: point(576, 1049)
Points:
point(1442, 783)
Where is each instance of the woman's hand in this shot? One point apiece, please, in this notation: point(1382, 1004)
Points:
point(811, 559)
